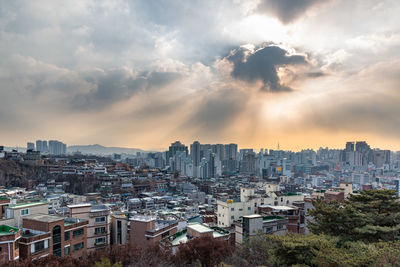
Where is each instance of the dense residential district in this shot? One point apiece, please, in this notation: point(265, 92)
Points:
point(69, 203)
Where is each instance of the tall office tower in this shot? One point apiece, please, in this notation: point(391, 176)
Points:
point(44, 146)
point(57, 147)
point(350, 146)
point(195, 153)
point(218, 149)
point(30, 146)
point(212, 166)
point(177, 146)
point(231, 151)
point(39, 145)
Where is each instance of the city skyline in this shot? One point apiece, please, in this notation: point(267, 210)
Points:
point(138, 74)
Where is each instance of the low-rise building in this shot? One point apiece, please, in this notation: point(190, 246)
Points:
point(147, 230)
point(195, 230)
point(98, 228)
point(251, 225)
point(44, 235)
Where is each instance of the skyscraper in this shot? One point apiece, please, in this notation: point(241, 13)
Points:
point(39, 145)
point(175, 147)
point(195, 153)
point(30, 146)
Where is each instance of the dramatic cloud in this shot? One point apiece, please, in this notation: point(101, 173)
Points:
point(262, 65)
point(287, 10)
point(115, 85)
point(143, 73)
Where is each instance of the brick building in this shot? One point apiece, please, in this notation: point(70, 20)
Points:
point(146, 230)
point(9, 247)
point(45, 234)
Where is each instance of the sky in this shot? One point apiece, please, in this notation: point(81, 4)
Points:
point(301, 73)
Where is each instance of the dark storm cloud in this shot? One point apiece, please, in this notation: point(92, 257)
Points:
point(115, 85)
point(262, 66)
point(287, 10)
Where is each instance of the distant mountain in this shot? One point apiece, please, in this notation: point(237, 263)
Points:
point(102, 150)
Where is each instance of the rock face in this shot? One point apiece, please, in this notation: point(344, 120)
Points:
point(13, 173)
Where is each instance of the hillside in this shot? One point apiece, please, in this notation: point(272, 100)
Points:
point(102, 150)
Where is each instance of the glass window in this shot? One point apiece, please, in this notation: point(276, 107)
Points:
point(78, 246)
point(25, 212)
point(57, 241)
point(39, 246)
point(100, 240)
point(66, 236)
point(77, 232)
point(67, 250)
point(232, 209)
point(99, 230)
point(100, 219)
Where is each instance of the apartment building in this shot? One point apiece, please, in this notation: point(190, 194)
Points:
point(251, 225)
point(44, 235)
point(147, 230)
point(15, 212)
point(119, 229)
point(230, 210)
point(99, 226)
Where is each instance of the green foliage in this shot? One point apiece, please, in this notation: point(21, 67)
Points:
point(370, 217)
point(105, 262)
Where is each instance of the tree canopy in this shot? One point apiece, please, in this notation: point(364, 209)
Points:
point(370, 216)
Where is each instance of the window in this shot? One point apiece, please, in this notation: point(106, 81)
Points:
point(66, 236)
point(165, 234)
point(232, 209)
point(16, 245)
point(280, 226)
point(268, 230)
point(67, 250)
point(99, 230)
point(24, 212)
point(248, 208)
point(100, 241)
point(287, 201)
point(281, 199)
point(39, 246)
point(100, 219)
point(232, 217)
point(255, 204)
point(78, 246)
point(77, 232)
point(57, 241)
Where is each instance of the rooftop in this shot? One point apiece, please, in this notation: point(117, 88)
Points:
point(24, 205)
point(273, 218)
point(99, 208)
point(199, 228)
point(7, 230)
point(278, 207)
point(43, 218)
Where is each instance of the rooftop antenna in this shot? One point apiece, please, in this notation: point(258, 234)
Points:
point(278, 145)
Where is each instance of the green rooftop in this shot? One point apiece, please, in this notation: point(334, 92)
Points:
point(27, 204)
point(7, 230)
